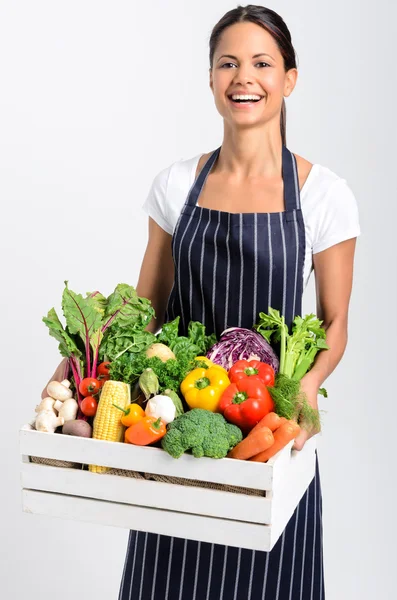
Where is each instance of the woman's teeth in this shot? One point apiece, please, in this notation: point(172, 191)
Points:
point(245, 98)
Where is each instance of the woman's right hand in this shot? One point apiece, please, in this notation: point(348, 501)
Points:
point(58, 376)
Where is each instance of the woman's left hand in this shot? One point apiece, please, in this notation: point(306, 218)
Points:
point(310, 388)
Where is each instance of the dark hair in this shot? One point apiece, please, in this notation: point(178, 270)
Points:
point(274, 24)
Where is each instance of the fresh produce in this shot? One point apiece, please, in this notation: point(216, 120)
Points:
point(149, 383)
point(103, 369)
point(162, 351)
point(194, 344)
point(89, 406)
point(253, 444)
point(176, 400)
point(237, 343)
point(132, 414)
point(146, 431)
point(68, 410)
point(287, 432)
point(298, 349)
point(78, 428)
point(48, 421)
point(89, 386)
point(252, 368)
point(59, 390)
point(203, 432)
point(297, 353)
point(161, 407)
point(246, 402)
point(170, 374)
point(107, 422)
point(46, 404)
point(202, 388)
point(271, 420)
point(97, 327)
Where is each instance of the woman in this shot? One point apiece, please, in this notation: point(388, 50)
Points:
point(228, 237)
point(245, 225)
point(231, 233)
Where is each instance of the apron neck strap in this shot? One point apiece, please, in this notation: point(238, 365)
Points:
point(291, 183)
point(289, 173)
point(202, 176)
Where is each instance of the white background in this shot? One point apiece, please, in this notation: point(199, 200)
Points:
point(95, 98)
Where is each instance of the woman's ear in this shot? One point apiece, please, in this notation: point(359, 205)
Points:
point(290, 81)
point(211, 81)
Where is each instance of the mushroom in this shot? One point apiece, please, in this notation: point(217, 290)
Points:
point(59, 390)
point(46, 404)
point(68, 409)
point(47, 421)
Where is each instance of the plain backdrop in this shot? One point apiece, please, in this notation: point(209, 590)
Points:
point(95, 98)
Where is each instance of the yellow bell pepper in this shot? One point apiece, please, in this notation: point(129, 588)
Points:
point(203, 388)
point(209, 363)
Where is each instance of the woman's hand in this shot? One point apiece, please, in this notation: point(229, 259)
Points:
point(310, 388)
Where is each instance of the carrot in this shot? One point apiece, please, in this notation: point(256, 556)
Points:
point(253, 444)
point(285, 433)
point(271, 420)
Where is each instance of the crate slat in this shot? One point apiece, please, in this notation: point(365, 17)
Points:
point(147, 459)
point(183, 525)
point(140, 492)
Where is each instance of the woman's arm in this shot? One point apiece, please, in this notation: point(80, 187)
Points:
point(155, 282)
point(157, 273)
point(333, 270)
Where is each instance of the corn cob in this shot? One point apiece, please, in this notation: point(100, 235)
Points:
point(107, 422)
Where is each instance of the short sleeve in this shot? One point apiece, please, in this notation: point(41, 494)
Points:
point(155, 204)
point(337, 217)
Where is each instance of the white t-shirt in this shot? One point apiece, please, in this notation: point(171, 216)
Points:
point(328, 205)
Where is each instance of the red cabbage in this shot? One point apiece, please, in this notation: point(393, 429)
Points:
point(237, 343)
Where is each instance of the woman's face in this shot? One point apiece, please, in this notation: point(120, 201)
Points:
point(247, 60)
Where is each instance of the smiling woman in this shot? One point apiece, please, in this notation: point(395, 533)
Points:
point(231, 233)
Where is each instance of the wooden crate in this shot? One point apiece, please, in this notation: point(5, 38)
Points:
point(197, 513)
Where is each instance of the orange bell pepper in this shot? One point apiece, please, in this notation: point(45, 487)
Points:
point(147, 431)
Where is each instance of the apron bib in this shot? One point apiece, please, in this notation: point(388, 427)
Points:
point(228, 268)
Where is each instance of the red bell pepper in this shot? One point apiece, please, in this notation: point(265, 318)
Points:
point(252, 368)
point(245, 403)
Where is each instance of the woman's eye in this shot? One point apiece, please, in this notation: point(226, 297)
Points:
point(263, 63)
point(226, 64)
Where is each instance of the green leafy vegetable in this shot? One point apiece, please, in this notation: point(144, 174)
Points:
point(171, 373)
point(194, 344)
point(298, 349)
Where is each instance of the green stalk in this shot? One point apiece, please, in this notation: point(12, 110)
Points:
point(283, 344)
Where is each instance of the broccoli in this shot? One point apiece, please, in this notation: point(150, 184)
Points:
point(203, 432)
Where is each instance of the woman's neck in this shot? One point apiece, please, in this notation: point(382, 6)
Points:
point(250, 153)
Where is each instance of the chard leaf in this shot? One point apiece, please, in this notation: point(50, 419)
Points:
point(82, 317)
point(67, 345)
point(169, 332)
point(100, 301)
point(126, 308)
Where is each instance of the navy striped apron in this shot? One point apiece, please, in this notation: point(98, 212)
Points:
point(228, 268)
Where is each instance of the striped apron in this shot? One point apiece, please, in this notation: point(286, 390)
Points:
point(228, 268)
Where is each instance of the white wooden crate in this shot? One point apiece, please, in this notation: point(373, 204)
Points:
point(233, 519)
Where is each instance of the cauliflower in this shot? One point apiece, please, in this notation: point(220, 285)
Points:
point(203, 432)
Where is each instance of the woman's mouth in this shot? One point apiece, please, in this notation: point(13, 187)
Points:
point(244, 100)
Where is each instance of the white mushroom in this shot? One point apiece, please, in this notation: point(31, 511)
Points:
point(57, 405)
point(46, 404)
point(59, 390)
point(47, 421)
point(68, 410)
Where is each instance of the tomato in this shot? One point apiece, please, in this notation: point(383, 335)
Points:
point(103, 369)
point(89, 386)
point(102, 379)
point(89, 406)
